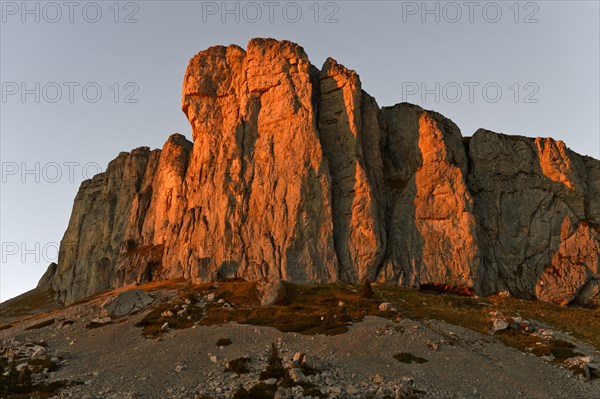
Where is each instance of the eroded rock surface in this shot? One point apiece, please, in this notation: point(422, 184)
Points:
point(296, 174)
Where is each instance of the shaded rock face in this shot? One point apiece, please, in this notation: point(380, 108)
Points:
point(536, 205)
point(432, 228)
point(296, 174)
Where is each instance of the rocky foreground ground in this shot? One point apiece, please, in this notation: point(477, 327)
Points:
point(173, 342)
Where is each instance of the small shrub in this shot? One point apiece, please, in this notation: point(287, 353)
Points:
point(25, 379)
point(239, 365)
point(39, 365)
point(274, 367)
point(405, 357)
point(559, 349)
point(367, 291)
point(308, 370)
point(262, 391)
point(314, 393)
point(258, 391)
point(241, 393)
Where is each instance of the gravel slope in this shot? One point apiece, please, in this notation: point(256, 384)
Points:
point(115, 361)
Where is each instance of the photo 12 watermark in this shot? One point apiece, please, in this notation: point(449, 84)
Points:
point(29, 252)
point(70, 92)
point(252, 12)
point(470, 92)
point(452, 12)
point(70, 12)
point(48, 172)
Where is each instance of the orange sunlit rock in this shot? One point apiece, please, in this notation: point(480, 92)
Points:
point(296, 173)
point(555, 161)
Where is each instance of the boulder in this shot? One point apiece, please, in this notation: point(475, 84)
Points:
point(127, 303)
point(39, 353)
point(297, 376)
point(271, 292)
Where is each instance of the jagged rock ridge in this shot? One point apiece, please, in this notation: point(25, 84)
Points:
point(297, 174)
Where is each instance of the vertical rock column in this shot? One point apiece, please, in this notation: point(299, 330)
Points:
point(358, 229)
point(432, 231)
point(258, 200)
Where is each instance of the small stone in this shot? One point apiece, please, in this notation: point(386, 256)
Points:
point(21, 366)
point(39, 352)
point(167, 313)
point(434, 346)
point(298, 357)
point(101, 320)
point(499, 324)
point(271, 292)
point(213, 359)
point(351, 390)
point(385, 306)
point(297, 376)
point(283, 393)
point(165, 327)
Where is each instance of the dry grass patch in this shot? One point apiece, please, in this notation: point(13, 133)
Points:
point(474, 314)
point(188, 299)
point(309, 310)
point(330, 309)
point(28, 304)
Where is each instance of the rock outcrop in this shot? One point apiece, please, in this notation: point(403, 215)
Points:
point(296, 174)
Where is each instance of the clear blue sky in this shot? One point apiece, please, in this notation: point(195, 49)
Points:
point(543, 56)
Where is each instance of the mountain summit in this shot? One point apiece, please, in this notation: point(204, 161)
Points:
point(297, 174)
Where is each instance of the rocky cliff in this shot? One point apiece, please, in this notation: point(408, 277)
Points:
point(297, 174)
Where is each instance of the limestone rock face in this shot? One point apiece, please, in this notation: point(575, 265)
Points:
point(107, 213)
point(358, 225)
point(258, 201)
point(295, 174)
point(432, 229)
point(535, 207)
